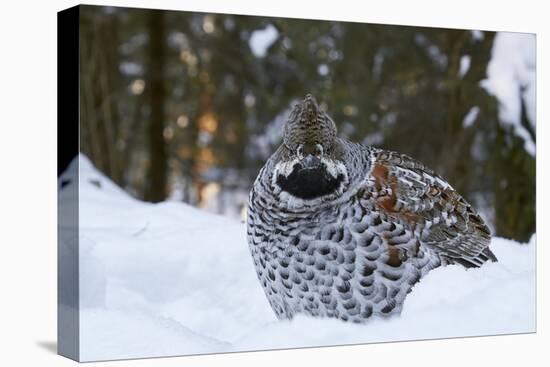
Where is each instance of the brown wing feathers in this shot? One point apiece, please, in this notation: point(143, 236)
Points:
point(415, 194)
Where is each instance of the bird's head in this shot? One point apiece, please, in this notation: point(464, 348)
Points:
point(310, 166)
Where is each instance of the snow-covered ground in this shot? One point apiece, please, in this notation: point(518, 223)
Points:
point(170, 279)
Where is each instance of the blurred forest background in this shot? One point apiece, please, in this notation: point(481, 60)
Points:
point(188, 106)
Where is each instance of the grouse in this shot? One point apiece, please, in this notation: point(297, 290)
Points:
point(342, 230)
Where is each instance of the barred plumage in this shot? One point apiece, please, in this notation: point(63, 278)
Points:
point(338, 229)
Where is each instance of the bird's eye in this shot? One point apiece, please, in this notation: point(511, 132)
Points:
point(320, 149)
point(300, 151)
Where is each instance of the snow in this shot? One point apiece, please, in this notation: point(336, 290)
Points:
point(477, 35)
point(264, 143)
point(169, 279)
point(323, 70)
point(512, 67)
point(262, 39)
point(470, 117)
point(465, 61)
point(131, 68)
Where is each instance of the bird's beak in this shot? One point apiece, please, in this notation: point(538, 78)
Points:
point(310, 162)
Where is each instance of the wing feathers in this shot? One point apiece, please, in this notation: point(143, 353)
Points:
point(408, 190)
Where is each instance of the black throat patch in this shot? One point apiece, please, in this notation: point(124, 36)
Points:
point(309, 183)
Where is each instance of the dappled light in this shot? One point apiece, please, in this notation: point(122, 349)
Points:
point(210, 94)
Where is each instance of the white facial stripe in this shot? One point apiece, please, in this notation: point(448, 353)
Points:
point(284, 168)
point(335, 168)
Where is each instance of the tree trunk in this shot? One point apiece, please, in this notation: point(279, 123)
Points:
point(156, 188)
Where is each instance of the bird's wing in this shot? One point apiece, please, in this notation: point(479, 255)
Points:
point(406, 189)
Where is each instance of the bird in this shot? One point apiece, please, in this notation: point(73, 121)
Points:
point(337, 229)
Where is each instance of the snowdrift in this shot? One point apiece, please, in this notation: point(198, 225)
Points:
point(169, 279)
